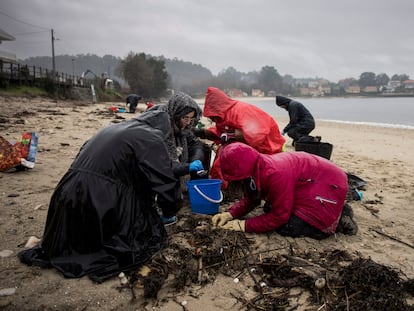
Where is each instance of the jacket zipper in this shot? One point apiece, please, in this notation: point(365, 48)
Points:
point(325, 200)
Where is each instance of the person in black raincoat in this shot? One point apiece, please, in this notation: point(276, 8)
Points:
point(301, 121)
point(101, 219)
point(185, 149)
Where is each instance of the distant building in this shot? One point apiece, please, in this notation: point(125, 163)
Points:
point(324, 90)
point(6, 56)
point(304, 91)
point(394, 83)
point(313, 84)
point(271, 93)
point(353, 89)
point(370, 89)
point(408, 84)
point(235, 93)
point(257, 93)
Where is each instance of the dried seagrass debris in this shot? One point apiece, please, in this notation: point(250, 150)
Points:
point(272, 300)
point(367, 285)
point(198, 252)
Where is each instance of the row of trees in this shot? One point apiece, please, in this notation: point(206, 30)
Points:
point(149, 77)
point(145, 75)
point(382, 79)
point(153, 76)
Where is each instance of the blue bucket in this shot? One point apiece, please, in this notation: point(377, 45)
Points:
point(205, 195)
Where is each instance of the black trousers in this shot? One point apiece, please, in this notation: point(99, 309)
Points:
point(296, 228)
point(297, 132)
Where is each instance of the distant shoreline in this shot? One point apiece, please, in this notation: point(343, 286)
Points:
point(202, 99)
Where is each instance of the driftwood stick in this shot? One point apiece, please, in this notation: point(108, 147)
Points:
point(200, 269)
point(306, 267)
point(392, 238)
point(248, 255)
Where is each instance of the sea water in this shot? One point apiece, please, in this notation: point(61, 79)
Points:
point(388, 112)
point(397, 112)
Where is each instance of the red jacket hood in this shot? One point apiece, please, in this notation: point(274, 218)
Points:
point(217, 103)
point(259, 129)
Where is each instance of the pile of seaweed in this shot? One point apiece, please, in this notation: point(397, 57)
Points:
point(335, 280)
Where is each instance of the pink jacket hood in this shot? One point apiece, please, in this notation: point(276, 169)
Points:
point(238, 161)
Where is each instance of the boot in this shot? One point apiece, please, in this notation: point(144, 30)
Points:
point(347, 224)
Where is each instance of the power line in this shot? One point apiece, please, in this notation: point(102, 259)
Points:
point(31, 33)
point(20, 21)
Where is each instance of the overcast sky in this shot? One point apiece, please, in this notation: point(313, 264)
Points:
point(304, 38)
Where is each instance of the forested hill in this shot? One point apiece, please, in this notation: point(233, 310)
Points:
point(181, 73)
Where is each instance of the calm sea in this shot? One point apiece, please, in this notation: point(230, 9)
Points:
point(395, 112)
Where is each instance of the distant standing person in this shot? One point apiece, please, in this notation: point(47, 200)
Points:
point(132, 102)
point(301, 120)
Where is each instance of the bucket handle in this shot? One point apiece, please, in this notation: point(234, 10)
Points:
point(207, 198)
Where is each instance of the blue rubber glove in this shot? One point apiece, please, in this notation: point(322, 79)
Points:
point(196, 165)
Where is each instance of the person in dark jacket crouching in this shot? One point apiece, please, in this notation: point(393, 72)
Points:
point(101, 219)
point(301, 121)
point(306, 193)
point(132, 102)
point(185, 149)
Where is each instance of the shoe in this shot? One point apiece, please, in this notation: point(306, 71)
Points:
point(168, 221)
point(347, 224)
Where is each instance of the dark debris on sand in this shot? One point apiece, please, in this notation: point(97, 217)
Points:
point(198, 252)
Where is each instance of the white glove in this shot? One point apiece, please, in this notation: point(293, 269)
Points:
point(221, 219)
point(235, 225)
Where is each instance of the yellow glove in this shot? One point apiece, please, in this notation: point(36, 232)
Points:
point(221, 219)
point(235, 225)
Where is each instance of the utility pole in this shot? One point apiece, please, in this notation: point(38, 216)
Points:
point(73, 67)
point(53, 55)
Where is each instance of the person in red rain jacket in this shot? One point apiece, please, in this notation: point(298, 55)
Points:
point(244, 122)
point(306, 192)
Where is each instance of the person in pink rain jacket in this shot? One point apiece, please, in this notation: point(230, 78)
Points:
point(306, 193)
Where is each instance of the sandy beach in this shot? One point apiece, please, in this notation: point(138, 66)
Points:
point(383, 157)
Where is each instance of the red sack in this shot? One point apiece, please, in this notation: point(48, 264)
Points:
point(21, 153)
point(9, 155)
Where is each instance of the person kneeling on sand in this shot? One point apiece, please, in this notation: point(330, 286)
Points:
point(306, 193)
point(101, 219)
point(301, 121)
point(243, 122)
point(185, 149)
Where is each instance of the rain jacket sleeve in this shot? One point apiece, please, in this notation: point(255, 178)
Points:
point(156, 170)
point(281, 199)
point(195, 152)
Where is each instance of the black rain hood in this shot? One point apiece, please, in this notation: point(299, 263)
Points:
point(281, 100)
